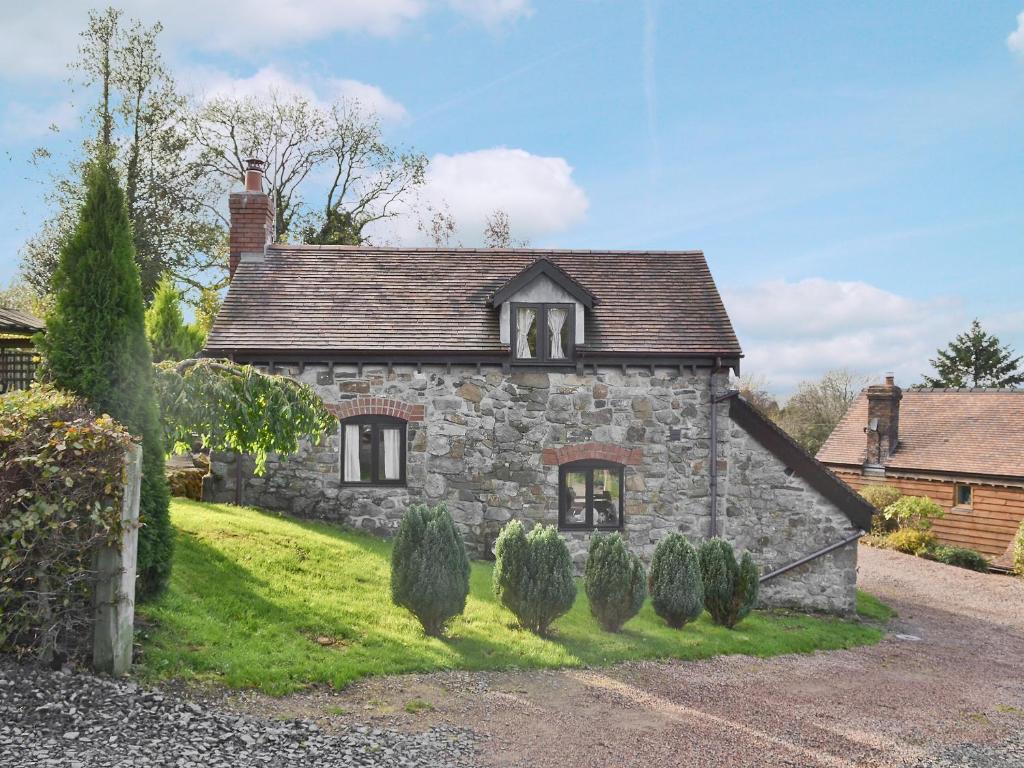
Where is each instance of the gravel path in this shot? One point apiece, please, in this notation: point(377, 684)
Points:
point(81, 721)
point(945, 688)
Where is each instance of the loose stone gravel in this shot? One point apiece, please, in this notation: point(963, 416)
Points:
point(1007, 754)
point(81, 721)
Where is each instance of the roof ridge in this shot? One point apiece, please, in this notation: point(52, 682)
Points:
point(968, 390)
point(524, 251)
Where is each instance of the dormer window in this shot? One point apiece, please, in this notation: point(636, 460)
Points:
point(543, 332)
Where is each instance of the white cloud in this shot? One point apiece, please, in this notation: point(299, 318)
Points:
point(371, 98)
point(1015, 40)
point(22, 122)
point(796, 331)
point(209, 84)
point(38, 38)
point(538, 194)
point(492, 13)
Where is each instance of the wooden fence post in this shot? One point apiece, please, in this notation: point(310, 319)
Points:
point(114, 592)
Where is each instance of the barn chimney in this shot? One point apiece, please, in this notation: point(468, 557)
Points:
point(252, 217)
point(883, 427)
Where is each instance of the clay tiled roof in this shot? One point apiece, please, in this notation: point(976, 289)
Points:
point(348, 299)
point(966, 431)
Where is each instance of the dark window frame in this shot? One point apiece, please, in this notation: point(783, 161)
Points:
point(588, 466)
point(969, 504)
point(377, 424)
point(543, 338)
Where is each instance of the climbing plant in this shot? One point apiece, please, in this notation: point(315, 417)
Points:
point(231, 407)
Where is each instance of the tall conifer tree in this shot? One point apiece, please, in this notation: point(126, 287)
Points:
point(95, 346)
point(976, 359)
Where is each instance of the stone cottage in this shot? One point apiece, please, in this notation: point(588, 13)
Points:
point(587, 389)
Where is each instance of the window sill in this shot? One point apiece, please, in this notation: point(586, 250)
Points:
point(590, 528)
point(368, 484)
point(961, 510)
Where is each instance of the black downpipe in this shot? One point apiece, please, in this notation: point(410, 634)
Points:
point(713, 455)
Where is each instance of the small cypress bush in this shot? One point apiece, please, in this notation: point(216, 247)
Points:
point(730, 588)
point(614, 581)
point(533, 575)
point(881, 496)
point(429, 567)
point(675, 581)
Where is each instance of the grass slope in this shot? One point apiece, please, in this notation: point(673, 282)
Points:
point(255, 598)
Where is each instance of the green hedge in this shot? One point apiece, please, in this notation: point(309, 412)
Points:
point(61, 479)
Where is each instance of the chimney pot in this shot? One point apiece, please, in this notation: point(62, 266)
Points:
point(254, 174)
point(890, 380)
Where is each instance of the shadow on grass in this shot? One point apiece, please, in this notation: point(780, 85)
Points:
point(259, 599)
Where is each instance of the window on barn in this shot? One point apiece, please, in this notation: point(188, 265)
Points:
point(590, 495)
point(543, 333)
point(373, 450)
point(963, 496)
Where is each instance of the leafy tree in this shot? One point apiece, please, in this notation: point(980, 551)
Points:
point(675, 581)
point(206, 310)
point(730, 588)
point(754, 389)
point(498, 232)
point(429, 567)
point(367, 178)
point(976, 359)
point(533, 575)
point(169, 337)
point(95, 346)
point(813, 412)
point(614, 580)
point(137, 116)
point(229, 407)
point(21, 296)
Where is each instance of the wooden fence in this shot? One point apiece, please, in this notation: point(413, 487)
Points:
point(17, 368)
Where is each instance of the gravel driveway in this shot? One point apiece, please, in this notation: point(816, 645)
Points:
point(944, 689)
point(954, 696)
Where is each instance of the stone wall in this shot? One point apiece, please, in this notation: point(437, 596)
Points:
point(488, 444)
point(780, 518)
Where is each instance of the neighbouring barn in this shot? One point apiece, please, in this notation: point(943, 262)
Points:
point(963, 448)
point(587, 389)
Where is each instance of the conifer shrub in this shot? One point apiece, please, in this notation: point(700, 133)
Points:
point(429, 567)
point(95, 346)
point(675, 581)
point(533, 575)
point(730, 587)
point(961, 557)
point(614, 581)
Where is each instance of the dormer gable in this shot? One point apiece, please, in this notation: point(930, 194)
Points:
point(542, 314)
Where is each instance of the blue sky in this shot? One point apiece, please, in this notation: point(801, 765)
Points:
point(853, 171)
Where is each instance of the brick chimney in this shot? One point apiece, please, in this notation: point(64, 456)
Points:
point(883, 427)
point(252, 217)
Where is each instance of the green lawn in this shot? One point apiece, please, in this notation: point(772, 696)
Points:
point(261, 600)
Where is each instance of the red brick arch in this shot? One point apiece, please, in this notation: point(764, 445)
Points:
point(376, 406)
point(592, 451)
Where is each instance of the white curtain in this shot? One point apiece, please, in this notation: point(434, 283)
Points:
point(352, 473)
point(556, 320)
point(392, 445)
point(524, 322)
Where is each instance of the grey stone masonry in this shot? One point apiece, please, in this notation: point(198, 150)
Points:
point(487, 443)
point(780, 518)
